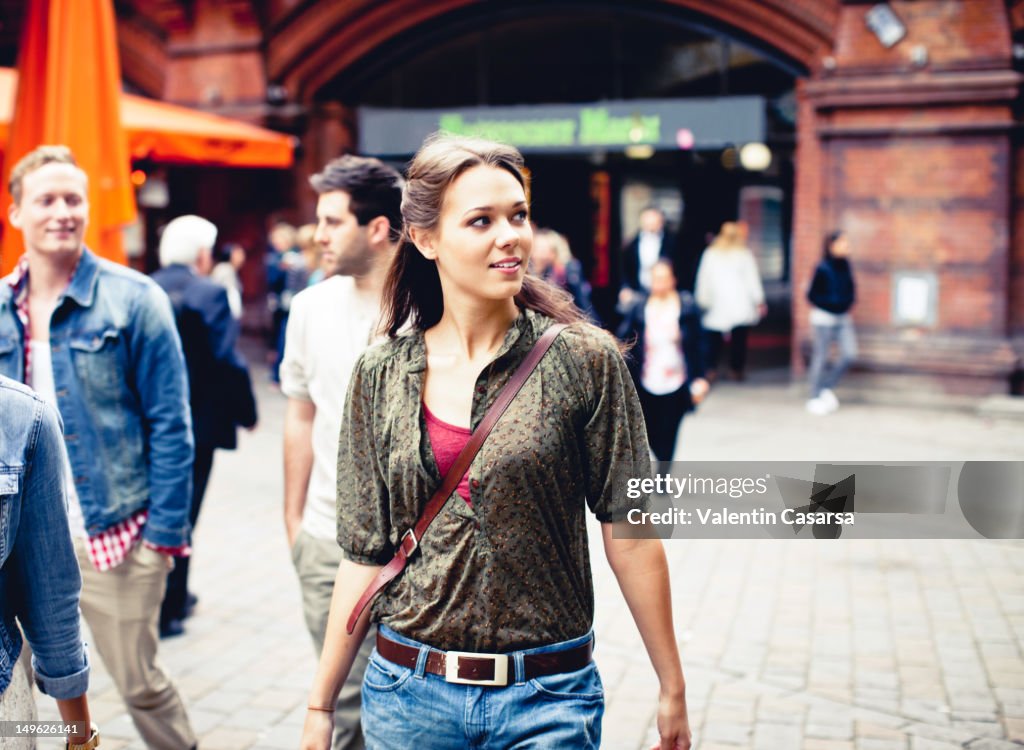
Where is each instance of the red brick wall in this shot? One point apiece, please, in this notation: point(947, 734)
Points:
point(807, 219)
point(956, 34)
point(1016, 281)
point(927, 204)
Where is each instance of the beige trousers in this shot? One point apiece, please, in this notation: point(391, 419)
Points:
point(316, 561)
point(121, 607)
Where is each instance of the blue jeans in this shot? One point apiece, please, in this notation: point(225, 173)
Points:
point(820, 375)
point(408, 708)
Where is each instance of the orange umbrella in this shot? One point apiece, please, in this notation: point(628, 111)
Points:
point(170, 134)
point(69, 92)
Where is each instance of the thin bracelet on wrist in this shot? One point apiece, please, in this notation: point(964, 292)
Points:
point(320, 708)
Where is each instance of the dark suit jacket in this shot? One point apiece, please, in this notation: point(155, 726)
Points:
point(630, 262)
point(219, 387)
point(634, 325)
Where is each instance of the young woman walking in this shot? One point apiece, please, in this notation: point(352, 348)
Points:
point(503, 573)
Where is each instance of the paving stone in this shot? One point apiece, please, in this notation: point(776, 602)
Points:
point(989, 744)
point(923, 743)
point(728, 733)
point(869, 743)
point(834, 730)
point(940, 734)
point(228, 739)
point(775, 736)
point(1014, 729)
point(815, 744)
point(866, 730)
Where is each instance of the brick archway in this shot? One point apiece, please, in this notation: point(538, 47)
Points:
point(314, 46)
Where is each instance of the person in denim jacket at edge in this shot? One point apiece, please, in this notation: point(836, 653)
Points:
point(98, 341)
point(39, 579)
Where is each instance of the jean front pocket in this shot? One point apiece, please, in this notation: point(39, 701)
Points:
point(383, 676)
point(582, 685)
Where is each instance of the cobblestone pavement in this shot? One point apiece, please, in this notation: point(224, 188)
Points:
point(787, 645)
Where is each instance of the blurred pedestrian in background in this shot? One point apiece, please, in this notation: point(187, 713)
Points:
point(98, 340)
point(39, 579)
point(652, 242)
point(311, 253)
point(359, 220)
point(484, 578)
point(729, 291)
point(229, 261)
point(553, 261)
point(286, 277)
point(831, 294)
point(666, 361)
point(220, 393)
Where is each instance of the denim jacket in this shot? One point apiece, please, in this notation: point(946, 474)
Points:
point(39, 578)
point(122, 391)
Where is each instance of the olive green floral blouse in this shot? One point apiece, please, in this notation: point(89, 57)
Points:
point(513, 570)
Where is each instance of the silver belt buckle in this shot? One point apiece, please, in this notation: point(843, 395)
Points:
point(451, 669)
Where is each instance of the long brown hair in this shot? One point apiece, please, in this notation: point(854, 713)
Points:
point(412, 291)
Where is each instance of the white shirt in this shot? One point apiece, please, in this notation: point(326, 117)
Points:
point(44, 384)
point(664, 367)
point(329, 326)
point(728, 288)
point(648, 252)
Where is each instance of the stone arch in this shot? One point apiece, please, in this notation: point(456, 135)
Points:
point(309, 49)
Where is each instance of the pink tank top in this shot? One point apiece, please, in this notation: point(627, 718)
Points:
point(447, 441)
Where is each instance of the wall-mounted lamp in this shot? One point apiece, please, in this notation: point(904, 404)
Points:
point(755, 157)
point(885, 24)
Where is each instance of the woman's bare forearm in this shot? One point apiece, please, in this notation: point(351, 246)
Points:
point(340, 648)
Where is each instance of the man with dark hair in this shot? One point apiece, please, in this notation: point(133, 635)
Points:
point(652, 243)
point(331, 323)
point(98, 341)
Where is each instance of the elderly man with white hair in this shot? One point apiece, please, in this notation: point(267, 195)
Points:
point(221, 395)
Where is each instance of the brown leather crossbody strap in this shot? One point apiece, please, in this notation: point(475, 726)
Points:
point(411, 539)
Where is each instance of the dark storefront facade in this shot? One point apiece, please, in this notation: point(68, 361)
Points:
point(896, 121)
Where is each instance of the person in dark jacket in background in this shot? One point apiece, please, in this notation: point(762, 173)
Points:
point(832, 294)
point(221, 396)
point(666, 363)
point(651, 243)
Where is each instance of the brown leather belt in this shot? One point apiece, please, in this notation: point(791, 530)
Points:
point(485, 669)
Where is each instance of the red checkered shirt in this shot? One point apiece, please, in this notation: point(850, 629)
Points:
point(110, 547)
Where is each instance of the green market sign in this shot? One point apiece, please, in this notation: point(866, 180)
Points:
point(661, 123)
point(595, 126)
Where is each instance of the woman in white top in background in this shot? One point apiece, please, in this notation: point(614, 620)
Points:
point(729, 290)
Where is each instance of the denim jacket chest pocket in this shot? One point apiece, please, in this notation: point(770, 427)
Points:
point(98, 356)
point(10, 486)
